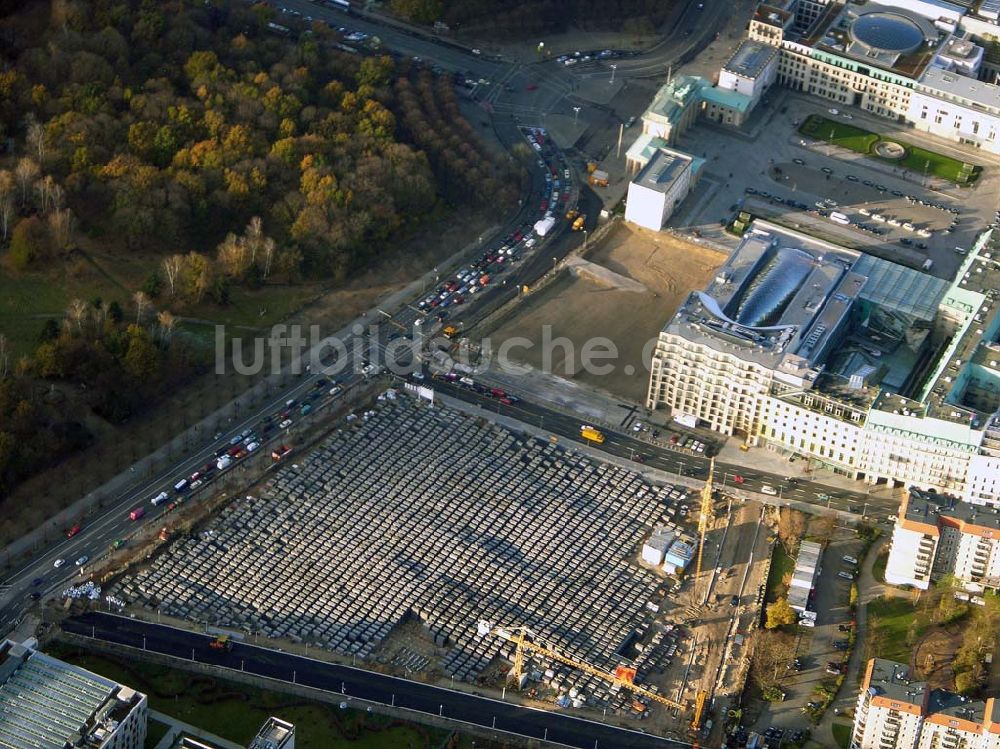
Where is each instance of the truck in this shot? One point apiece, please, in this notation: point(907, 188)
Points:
point(450, 331)
point(137, 514)
point(590, 434)
point(927, 265)
point(839, 218)
point(222, 642)
point(579, 223)
point(544, 226)
point(280, 452)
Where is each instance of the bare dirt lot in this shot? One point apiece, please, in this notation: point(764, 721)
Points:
point(624, 290)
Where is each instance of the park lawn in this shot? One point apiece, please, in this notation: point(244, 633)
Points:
point(888, 623)
point(878, 568)
point(781, 564)
point(235, 711)
point(155, 730)
point(862, 141)
point(842, 734)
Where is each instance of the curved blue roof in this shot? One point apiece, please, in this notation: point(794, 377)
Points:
point(773, 287)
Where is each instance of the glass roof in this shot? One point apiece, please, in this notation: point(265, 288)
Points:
point(890, 32)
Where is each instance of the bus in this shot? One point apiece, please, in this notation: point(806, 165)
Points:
point(339, 5)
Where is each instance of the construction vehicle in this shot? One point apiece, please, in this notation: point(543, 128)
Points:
point(598, 178)
point(280, 452)
point(591, 435)
point(450, 331)
point(579, 223)
point(222, 642)
point(622, 678)
point(705, 513)
point(164, 534)
point(591, 167)
point(571, 214)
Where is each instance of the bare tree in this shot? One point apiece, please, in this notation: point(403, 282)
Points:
point(141, 301)
point(61, 227)
point(791, 527)
point(25, 173)
point(48, 192)
point(772, 652)
point(76, 314)
point(172, 267)
point(268, 254)
point(167, 322)
point(36, 137)
point(6, 201)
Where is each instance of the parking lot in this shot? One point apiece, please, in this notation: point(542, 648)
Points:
point(777, 172)
point(410, 517)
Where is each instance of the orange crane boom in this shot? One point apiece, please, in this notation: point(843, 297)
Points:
point(622, 677)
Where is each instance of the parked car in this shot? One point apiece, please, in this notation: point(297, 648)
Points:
point(846, 575)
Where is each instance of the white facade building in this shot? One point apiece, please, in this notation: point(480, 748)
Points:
point(906, 60)
point(894, 712)
point(799, 346)
point(45, 702)
point(937, 535)
point(659, 187)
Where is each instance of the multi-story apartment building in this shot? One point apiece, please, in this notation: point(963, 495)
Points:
point(894, 712)
point(808, 349)
point(47, 703)
point(937, 535)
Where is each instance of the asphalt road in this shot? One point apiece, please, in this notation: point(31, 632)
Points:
point(683, 463)
point(357, 683)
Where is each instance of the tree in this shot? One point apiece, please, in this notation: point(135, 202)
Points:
point(61, 228)
point(25, 174)
point(141, 359)
point(780, 614)
point(141, 301)
point(771, 652)
point(791, 528)
point(29, 241)
point(166, 322)
point(173, 266)
point(36, 138)
point(6, 202)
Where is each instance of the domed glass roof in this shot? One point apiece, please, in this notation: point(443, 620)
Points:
point(888, 32)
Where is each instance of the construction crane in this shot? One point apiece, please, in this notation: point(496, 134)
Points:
point(622, 677)
point(704, 515)
point(699, 708)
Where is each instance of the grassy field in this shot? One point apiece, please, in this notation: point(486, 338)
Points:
point(918, 160)
point(842, 734)
point(781, 564)
point(888, 624)
point(235, 711)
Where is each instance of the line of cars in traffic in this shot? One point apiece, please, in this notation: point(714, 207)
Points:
point(238, 447)
point(470, 279)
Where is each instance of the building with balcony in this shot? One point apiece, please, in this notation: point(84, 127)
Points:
point(45, 702)
point(937, 535)
point(858, 365)
point(894, 712)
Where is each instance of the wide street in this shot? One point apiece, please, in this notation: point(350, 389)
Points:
point(358, 684)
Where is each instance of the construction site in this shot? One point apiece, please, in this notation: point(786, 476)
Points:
point(427, 542)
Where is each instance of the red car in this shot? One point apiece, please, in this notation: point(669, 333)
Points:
point(532, 86)
point(74, 530)
point(738, 479)
point(518, 236)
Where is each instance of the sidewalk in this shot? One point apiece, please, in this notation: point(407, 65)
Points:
point(178, 727)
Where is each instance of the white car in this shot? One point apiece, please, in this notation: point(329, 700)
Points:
point(285, 424)
point(252, 446)
point(335, 390)
point(845, 575)
point(59, 563)
point(849, 559)
point(82, 560)
point(833, 111)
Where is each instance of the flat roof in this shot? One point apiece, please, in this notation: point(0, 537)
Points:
point(726, 98)
point(889, 679)
point(665, 167)
point(750, 58)
point(986, 95)
point(930, 508)
point(46, 703)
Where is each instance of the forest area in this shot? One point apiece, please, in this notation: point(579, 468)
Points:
point(530, 17)
point(186, 139)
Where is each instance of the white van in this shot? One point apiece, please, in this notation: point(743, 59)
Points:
point(159, 499)
point(768, 489)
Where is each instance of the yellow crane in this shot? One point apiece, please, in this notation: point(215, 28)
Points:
point(623, 677)
point(699, 708)
point(704, 515)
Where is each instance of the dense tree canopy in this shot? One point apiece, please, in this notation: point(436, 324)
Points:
point(536, 16)
point(165, 125)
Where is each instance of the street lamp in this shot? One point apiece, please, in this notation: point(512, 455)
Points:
point(576, 113)
point(613, 69)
